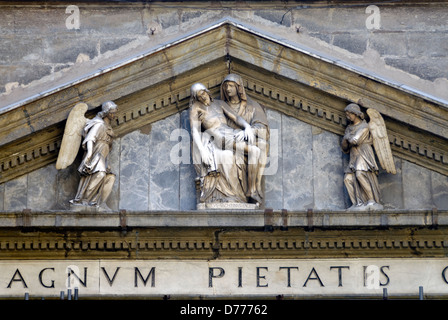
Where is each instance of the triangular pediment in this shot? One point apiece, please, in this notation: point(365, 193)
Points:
point(156, 84)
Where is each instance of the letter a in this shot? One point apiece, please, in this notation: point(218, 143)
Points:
point(373, 21)
point(20, 279)
point(314, 278)
point(72, 22)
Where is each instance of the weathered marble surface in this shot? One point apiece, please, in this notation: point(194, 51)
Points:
point(391, 187)
point(42, 191)
point(297, 175)
point(134, 171)
point(187, 174)
point(327, 169)
point(416, 186)
point(164, 175)
point(15, 194)
point(305, 171)
point(274, 167)
point(439, 190)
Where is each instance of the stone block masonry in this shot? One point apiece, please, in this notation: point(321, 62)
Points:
point(37, 41)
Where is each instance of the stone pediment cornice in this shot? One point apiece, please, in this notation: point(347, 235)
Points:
point(292, 80)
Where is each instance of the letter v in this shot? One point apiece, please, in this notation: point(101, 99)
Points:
point(107, 276)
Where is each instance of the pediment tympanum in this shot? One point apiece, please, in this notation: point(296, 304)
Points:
point(286, 79)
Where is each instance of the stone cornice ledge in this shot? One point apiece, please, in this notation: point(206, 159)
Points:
point(230, 218)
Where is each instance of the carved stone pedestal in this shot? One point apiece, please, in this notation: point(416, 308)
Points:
point(367, 207)
point(87, 208)
point(227, 206)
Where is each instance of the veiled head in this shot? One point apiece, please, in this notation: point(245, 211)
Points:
point(238, 81)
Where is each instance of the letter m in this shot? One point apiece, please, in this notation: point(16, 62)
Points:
point(152, 274)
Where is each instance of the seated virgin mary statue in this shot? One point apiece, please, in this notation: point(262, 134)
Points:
point(219, 151)
point(234, 95)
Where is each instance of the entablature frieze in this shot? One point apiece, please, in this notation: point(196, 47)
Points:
point(221, 242)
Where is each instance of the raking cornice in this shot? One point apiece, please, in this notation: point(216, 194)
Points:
point(284, 77)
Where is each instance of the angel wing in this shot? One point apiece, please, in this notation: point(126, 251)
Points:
point(71, 139)
point(381, 141)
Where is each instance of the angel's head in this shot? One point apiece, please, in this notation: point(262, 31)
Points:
point(108, 109)
point(353, 111)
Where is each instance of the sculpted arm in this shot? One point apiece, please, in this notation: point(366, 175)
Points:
point(89, 146)
point(358, 137)
point(233, 116)
point(195, 125)
point(345, 145)
point(248, 133)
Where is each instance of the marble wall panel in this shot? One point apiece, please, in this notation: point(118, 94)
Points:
point(328, 171)
point(164, 174)
point(274, 167)
point(114, 163)
point(416, 187)
point(439, 188)
point(297, 154)
point(16, 193)
point(134, 171)
point(41, 190)
point(187, 174)
point(391, 187)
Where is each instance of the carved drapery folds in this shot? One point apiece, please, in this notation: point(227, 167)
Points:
point(96, 178)
point(359, 141)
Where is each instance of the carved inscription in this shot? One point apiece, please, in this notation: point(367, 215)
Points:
point(250, 277)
